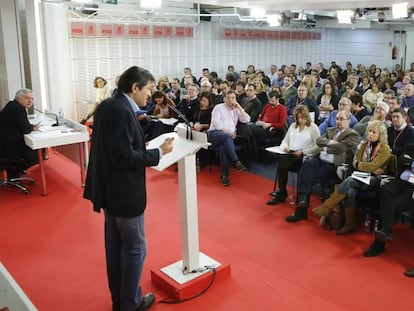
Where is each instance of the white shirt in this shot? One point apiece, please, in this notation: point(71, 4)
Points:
point(301, 140)
point(225, 119)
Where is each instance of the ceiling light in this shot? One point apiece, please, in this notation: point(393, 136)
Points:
point(400, 10)
point(273, 20)
point(344, 16)
point(257, 12)
point(151, 4)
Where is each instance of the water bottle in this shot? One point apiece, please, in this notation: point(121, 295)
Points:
point(61, 117)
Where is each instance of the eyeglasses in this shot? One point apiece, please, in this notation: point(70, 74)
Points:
point(341, 119)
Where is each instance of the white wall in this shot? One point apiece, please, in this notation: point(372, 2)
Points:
point(410, 48)
point(11, 62)
point(73, 62)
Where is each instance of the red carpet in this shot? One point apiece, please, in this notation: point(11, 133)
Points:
point(53, 247)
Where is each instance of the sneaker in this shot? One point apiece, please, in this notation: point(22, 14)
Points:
point(225, 180)
point(240, 166)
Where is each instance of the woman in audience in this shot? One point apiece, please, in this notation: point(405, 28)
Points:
point(364, 86)
point(164, 85)
point(202, 118)
point(372, 96)
point(103, 91)
point(162, 110)
point(372, 157)
point(327, 101)
point(261, 91)
point(297, 144)
point(387, 84)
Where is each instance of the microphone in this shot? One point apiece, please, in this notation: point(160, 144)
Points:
point(183, 117)
point(49, 112)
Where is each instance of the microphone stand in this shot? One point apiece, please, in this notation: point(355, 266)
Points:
point(189, 134)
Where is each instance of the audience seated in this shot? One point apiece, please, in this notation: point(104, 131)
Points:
point(358, 109)
point(335, 147)
point(372, 96)
point(13, 125)
point(288, 88)
point(298, 143)
point(372, 156)
point(190, 102)
point(407, 99)
point(400, 134)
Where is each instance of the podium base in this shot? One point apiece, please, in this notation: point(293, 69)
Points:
point(181, 286)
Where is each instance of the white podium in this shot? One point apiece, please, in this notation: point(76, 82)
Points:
point(193, 263)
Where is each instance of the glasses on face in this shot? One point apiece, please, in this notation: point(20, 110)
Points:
point(341, 119)
point(343, 104)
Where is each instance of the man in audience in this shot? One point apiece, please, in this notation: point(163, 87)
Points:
point(407, 99)
point(400, 134)
point(279, 80)
point(302, 99)
point(273, 72)
point(205, 86)
point(175, 93)
point(289, 89)
point(205, 74)
point(336, 146)
point(241, 95)
point(358, 109)
point(330, 121)
point(271, 122)
point(380, 113)
point(188, 74)
point(190, 103)
point(395, 195)
point(13, 125)
point(400, 85)
point(222, 133)
point(394, 103)
point(253, 106)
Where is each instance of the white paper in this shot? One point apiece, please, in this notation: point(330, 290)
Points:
point(362, 176)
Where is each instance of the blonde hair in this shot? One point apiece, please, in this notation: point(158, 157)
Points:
point(381, 128)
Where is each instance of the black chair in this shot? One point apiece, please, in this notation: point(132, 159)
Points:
point(5, 180)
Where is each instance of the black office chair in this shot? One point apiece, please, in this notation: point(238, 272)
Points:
point(6, 164)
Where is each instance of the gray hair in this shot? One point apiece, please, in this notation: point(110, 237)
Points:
point(22, 92)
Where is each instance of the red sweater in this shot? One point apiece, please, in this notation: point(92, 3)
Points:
point(275, 115)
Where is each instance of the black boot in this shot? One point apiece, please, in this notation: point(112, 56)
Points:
point(303, 200)
point(301, 213)
point(375, 249)
point(279, 197)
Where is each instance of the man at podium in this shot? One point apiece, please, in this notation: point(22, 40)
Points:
point(116, 183)
point(222, 133)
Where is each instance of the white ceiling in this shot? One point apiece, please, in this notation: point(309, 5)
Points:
point(301, 4)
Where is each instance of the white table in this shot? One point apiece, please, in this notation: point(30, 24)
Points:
point(70, 133)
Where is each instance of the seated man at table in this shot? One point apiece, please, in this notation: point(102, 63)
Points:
point(334, 147)
point(222, 133)
point(13, 125)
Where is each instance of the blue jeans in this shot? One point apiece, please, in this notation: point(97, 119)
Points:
point(125, 247)
point(227, 149)
point(350, 187)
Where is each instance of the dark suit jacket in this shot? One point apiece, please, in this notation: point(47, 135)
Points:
point(118, 157)
point(13, 125)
